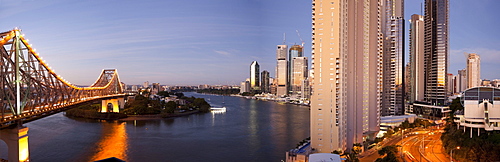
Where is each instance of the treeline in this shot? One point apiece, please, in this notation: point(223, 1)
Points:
point(144, 106)
point(485, 147)
point(92, 111)
point(219, 91)
point(191, 103)
point(141, 105)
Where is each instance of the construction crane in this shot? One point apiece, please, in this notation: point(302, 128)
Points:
point(300, 38)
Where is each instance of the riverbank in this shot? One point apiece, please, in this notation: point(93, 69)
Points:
point(122, 117)
point(157, 116)
point(92, 114)
point(269, 97)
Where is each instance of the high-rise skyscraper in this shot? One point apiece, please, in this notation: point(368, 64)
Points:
point(264, 81)
point(347, 80)
point(281, 70)
point(417, 80)
point(305, 93)
point(134, 88)
point(393, 83)
point(451, 84)
point(461, 80)
point(245, 86)
point(155, 88)
point(299, 74)
point(473, 70)
point(254, 76)
point(436, 51)
point(294, 51)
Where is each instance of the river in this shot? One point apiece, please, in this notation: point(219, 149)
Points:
point(250, 130)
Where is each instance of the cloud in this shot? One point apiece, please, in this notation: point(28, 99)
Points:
point(225, 53)
point(255, 57)
point(489, 61)
point(487, 55)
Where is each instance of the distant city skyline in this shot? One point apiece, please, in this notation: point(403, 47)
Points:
point(199, 42)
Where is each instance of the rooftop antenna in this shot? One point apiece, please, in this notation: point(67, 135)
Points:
point(284, 38)
point(421, 9)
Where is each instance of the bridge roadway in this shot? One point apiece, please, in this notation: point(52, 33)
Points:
point(43, 111)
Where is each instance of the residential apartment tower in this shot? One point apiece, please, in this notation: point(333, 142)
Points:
point(347, 72)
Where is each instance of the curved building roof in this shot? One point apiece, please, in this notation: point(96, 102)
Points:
point(480, 93)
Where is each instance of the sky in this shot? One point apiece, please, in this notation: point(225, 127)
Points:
point(204, 42)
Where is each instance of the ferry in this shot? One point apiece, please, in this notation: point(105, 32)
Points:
point(218, 109)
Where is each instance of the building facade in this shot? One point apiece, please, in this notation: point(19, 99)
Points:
point(264, 82)
point(473, 70)
point(416, 71)
point(245, 86)
point(481, 109)
point(393, 58)
point(254, 76)
point(294, 51)
point(451, 84)
point(155, 88)
point(347, 79)
point(436, 51)
point(281, 70)
point(461, 80)
point(299, 74)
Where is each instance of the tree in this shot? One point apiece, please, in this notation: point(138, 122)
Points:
point(352, 156)
point(205, 108)
point(142, 105)
point(389, 133)
point(390, 152)
point(337, 152)
point(247, 94)
point(170, 107)
point(163, 93)
point(456, 105)
point(179, 94)
point(405, 124)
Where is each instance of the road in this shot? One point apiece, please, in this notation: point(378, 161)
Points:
point(422, 145)
point(372, 154)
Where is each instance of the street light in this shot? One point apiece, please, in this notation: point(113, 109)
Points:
point(451, 153)
point(402, 136)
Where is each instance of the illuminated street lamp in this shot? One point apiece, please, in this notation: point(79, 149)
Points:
point(402, 136)
point(451, 153)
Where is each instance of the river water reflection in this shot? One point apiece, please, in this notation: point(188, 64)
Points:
point(249, 130)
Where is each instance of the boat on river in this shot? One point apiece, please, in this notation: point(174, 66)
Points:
point(218, 109)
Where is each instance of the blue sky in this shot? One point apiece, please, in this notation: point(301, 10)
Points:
point(202, 42)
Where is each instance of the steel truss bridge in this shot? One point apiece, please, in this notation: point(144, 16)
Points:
point(31, 89)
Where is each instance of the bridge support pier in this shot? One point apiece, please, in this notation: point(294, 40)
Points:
point(17, 143)
point(112, 105)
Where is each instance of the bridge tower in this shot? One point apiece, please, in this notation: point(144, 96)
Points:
point(112, 105)
point(16, 139)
